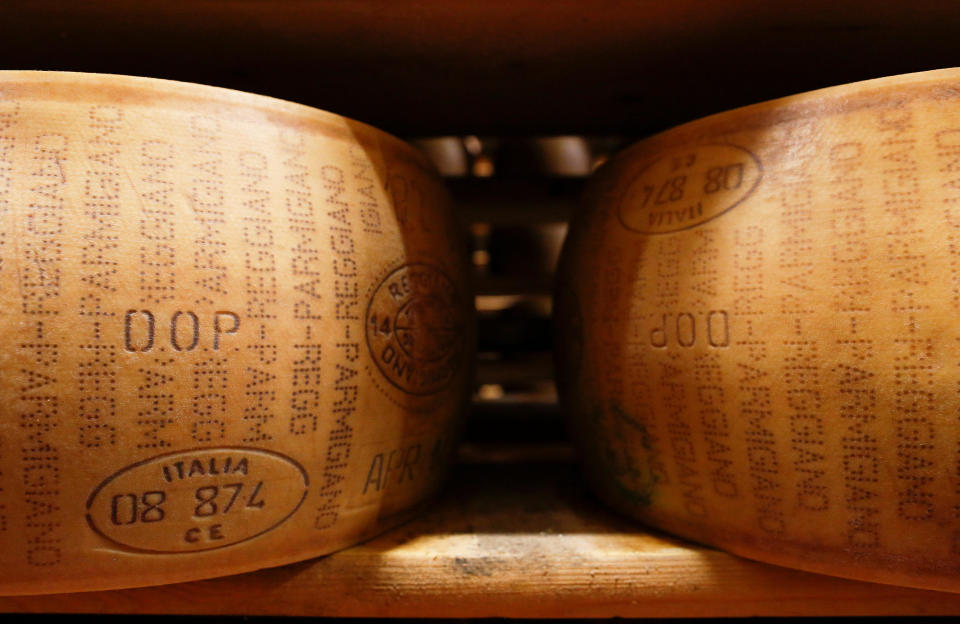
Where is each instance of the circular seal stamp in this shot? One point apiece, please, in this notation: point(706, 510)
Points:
point(415, 328)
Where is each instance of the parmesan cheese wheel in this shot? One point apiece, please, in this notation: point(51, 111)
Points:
point(760, 330)
point(235, 332)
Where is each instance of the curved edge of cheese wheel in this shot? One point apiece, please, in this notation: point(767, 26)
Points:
point(107, 578)
point(840, 562)
point(239, 332)
point(739, 365)
point(124, 88)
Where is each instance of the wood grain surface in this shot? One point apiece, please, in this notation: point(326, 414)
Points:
point(514, 540)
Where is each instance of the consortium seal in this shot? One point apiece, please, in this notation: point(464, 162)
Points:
point(415, 329)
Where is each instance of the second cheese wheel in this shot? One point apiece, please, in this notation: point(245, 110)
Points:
point(234, 332)
point(760, 330)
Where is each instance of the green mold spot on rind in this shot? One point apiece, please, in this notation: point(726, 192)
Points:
point(623, 447)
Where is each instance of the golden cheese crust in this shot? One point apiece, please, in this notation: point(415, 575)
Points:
point(758, 330)
point(235, 330)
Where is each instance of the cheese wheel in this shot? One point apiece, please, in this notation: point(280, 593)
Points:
point(235, 332)
point(759, 330)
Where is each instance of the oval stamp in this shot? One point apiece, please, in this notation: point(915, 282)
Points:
point(197, 500)
point(415, 328)
point(689, 187)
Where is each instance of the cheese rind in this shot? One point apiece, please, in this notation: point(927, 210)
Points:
point(758, 336)
point(187, 277)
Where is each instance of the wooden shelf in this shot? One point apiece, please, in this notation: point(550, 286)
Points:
point(516, 539)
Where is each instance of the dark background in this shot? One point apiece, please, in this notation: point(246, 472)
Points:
point(433, 67)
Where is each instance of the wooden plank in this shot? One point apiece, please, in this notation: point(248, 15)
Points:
point(514, 540)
